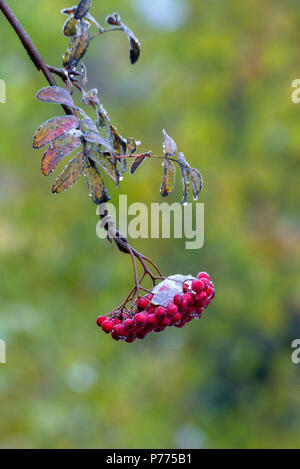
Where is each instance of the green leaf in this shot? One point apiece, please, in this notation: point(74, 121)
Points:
point(70, 174)
point(55, 94)
point(169, 176)
point(58, 150)
point(96, 185)
point(53, 129)
point(106, 163)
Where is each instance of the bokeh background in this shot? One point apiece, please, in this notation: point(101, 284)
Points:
point(217, 75)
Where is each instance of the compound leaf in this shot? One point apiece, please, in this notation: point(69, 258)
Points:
point(55, 94)
point(53, 129)
point(169, 175)
point(70, 174)
point(96, 185)
point(58, 150)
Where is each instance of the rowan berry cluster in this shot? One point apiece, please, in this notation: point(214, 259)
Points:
point(147, 316)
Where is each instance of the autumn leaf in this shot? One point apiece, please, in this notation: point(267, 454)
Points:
point(131, 145)
point(96, 185)
point(69, 28)
point(170, 147)
point(78, 45)
point(70, 174)
point(135, 46)
point(94, 137)
point(82, 9)
point(197, 182)
point(58, 150)
point(55, 94)
point(169, 175)
point(106, 163)
point(138, 161)
point(53, 129)
point(185, 171)
point(89, 124)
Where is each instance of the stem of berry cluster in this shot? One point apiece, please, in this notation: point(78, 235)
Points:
point(119, 239)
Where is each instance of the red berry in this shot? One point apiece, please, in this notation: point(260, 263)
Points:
point(172, 309)
point(107, 326)
point(160, 313)
point(197, 285)
point(128, 324)
point(152, 321)
point(101, 320)
point(140, 319)
point(143, 303)
point(185, 288)
point(203, 275)
point(115, 336)
point(166, 322)
point(178, 300)
point(120, 330)
point(176, 318)
point(130, 339)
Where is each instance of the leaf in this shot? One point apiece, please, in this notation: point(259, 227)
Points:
point(131, 145)
point(69, 10)
point(135, 46)
point(118, 142)
point(123, 165)
point(94, 137)
point(53, 129)
point(82, 9)
point(55, 94)
point(106, 163)
point(89, 124)
point(70, 174)
point(78, 45)
point(169, 175)
point(69, 28)
point(96, 186)
point(137, 162)
point(185, 170)
point(170, 147)
point(58, 150)
point(93, 22)
point(197, 182)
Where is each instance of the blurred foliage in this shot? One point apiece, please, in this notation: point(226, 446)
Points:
point(219, 81)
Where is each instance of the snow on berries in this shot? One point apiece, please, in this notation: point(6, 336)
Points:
point(175, 301)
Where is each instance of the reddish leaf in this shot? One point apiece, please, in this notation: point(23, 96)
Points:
point(96, 186)
point(54, 128)
point(55, 94)
point(169, 175)
point(137, 162)
point(70, 174)
point(57, 151)
point(170, 147)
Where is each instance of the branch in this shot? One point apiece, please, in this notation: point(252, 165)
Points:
point(29, 47)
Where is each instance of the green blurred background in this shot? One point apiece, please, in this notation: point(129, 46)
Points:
point(217, 75)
